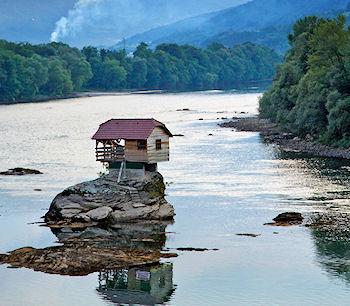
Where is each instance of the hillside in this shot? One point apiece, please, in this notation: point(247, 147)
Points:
point(104, 22)
point(253, 18)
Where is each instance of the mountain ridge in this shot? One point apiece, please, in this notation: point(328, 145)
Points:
point(252, 16)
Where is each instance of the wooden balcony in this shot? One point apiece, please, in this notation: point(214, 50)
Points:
point(110, 154)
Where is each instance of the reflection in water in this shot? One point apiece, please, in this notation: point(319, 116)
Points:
point(329, 178)
point(336, 169)
point(148, 285)
point(143, 285)
point(140, 235)
point(333, 251)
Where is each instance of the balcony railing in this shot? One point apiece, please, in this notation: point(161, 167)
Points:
point(110, 154)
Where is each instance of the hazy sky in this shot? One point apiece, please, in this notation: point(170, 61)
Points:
point(104, 22)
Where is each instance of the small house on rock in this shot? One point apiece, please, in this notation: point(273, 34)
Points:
point(132, 146)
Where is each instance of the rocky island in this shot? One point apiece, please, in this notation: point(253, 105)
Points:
point(102, 224)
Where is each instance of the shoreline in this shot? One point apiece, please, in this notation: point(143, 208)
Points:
point(84, 94)
point(287, 142)
point(89, 94)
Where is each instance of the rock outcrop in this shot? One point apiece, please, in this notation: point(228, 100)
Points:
point(104, 201)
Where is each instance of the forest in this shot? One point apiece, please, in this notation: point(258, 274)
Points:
point(310, 93)
point(32, 72)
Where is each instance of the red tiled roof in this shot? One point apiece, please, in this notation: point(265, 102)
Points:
point(128, 129)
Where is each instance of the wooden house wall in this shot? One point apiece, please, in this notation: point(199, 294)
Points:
point(155, 155)
point(133, 154)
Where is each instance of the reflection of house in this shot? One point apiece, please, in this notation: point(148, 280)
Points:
point(143, 285)
point(135, 144)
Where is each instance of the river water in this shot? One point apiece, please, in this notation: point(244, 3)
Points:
point(220, 185)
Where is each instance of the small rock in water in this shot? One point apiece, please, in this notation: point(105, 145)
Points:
point(287, 219)
point(249, 235)
point(37, 189)
point(190, 249)
point(183, 110)
point(20, 171)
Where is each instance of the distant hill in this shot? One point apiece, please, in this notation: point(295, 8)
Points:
point(259, 21)
point(31, 20)
point(105, 22)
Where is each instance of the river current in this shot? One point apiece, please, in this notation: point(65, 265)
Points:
point(220, 185)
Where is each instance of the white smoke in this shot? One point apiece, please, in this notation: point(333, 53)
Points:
point(74, 22)
point(103, 22)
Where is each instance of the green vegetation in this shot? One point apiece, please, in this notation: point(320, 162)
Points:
point(30, 72)
point(311, 93)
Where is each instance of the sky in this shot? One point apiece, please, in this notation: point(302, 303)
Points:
point(94, 22)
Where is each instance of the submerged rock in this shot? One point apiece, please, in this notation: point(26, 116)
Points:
point(105, 201)
point(20, 171)
point(249, 235)
point(79, 259)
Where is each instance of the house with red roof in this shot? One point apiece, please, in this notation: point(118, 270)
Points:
point(133, 145)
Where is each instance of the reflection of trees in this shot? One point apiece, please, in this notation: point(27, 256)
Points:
point(146, 285)
point(336, 169)
point(333, 251)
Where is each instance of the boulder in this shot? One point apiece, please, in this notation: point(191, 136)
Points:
point(68, 213)
point(104, 200)
point(99, 214)
point(289, 217)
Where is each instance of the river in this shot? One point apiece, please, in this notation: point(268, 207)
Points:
point(220, 185)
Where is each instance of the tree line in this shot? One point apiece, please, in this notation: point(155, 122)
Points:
point(29, 72)
point(310, 95)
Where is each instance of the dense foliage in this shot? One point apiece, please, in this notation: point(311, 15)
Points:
point(311, 93)
point(28, 72)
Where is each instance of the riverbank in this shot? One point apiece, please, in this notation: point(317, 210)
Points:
point(85, 94)
point(287, 142)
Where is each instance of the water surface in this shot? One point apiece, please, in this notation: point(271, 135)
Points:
point(220, 185)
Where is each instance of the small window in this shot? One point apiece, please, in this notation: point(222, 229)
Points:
point(142, 144)
point(158, 144)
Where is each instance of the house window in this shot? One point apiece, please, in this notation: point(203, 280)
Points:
point(142, 144)
point(158, 144)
